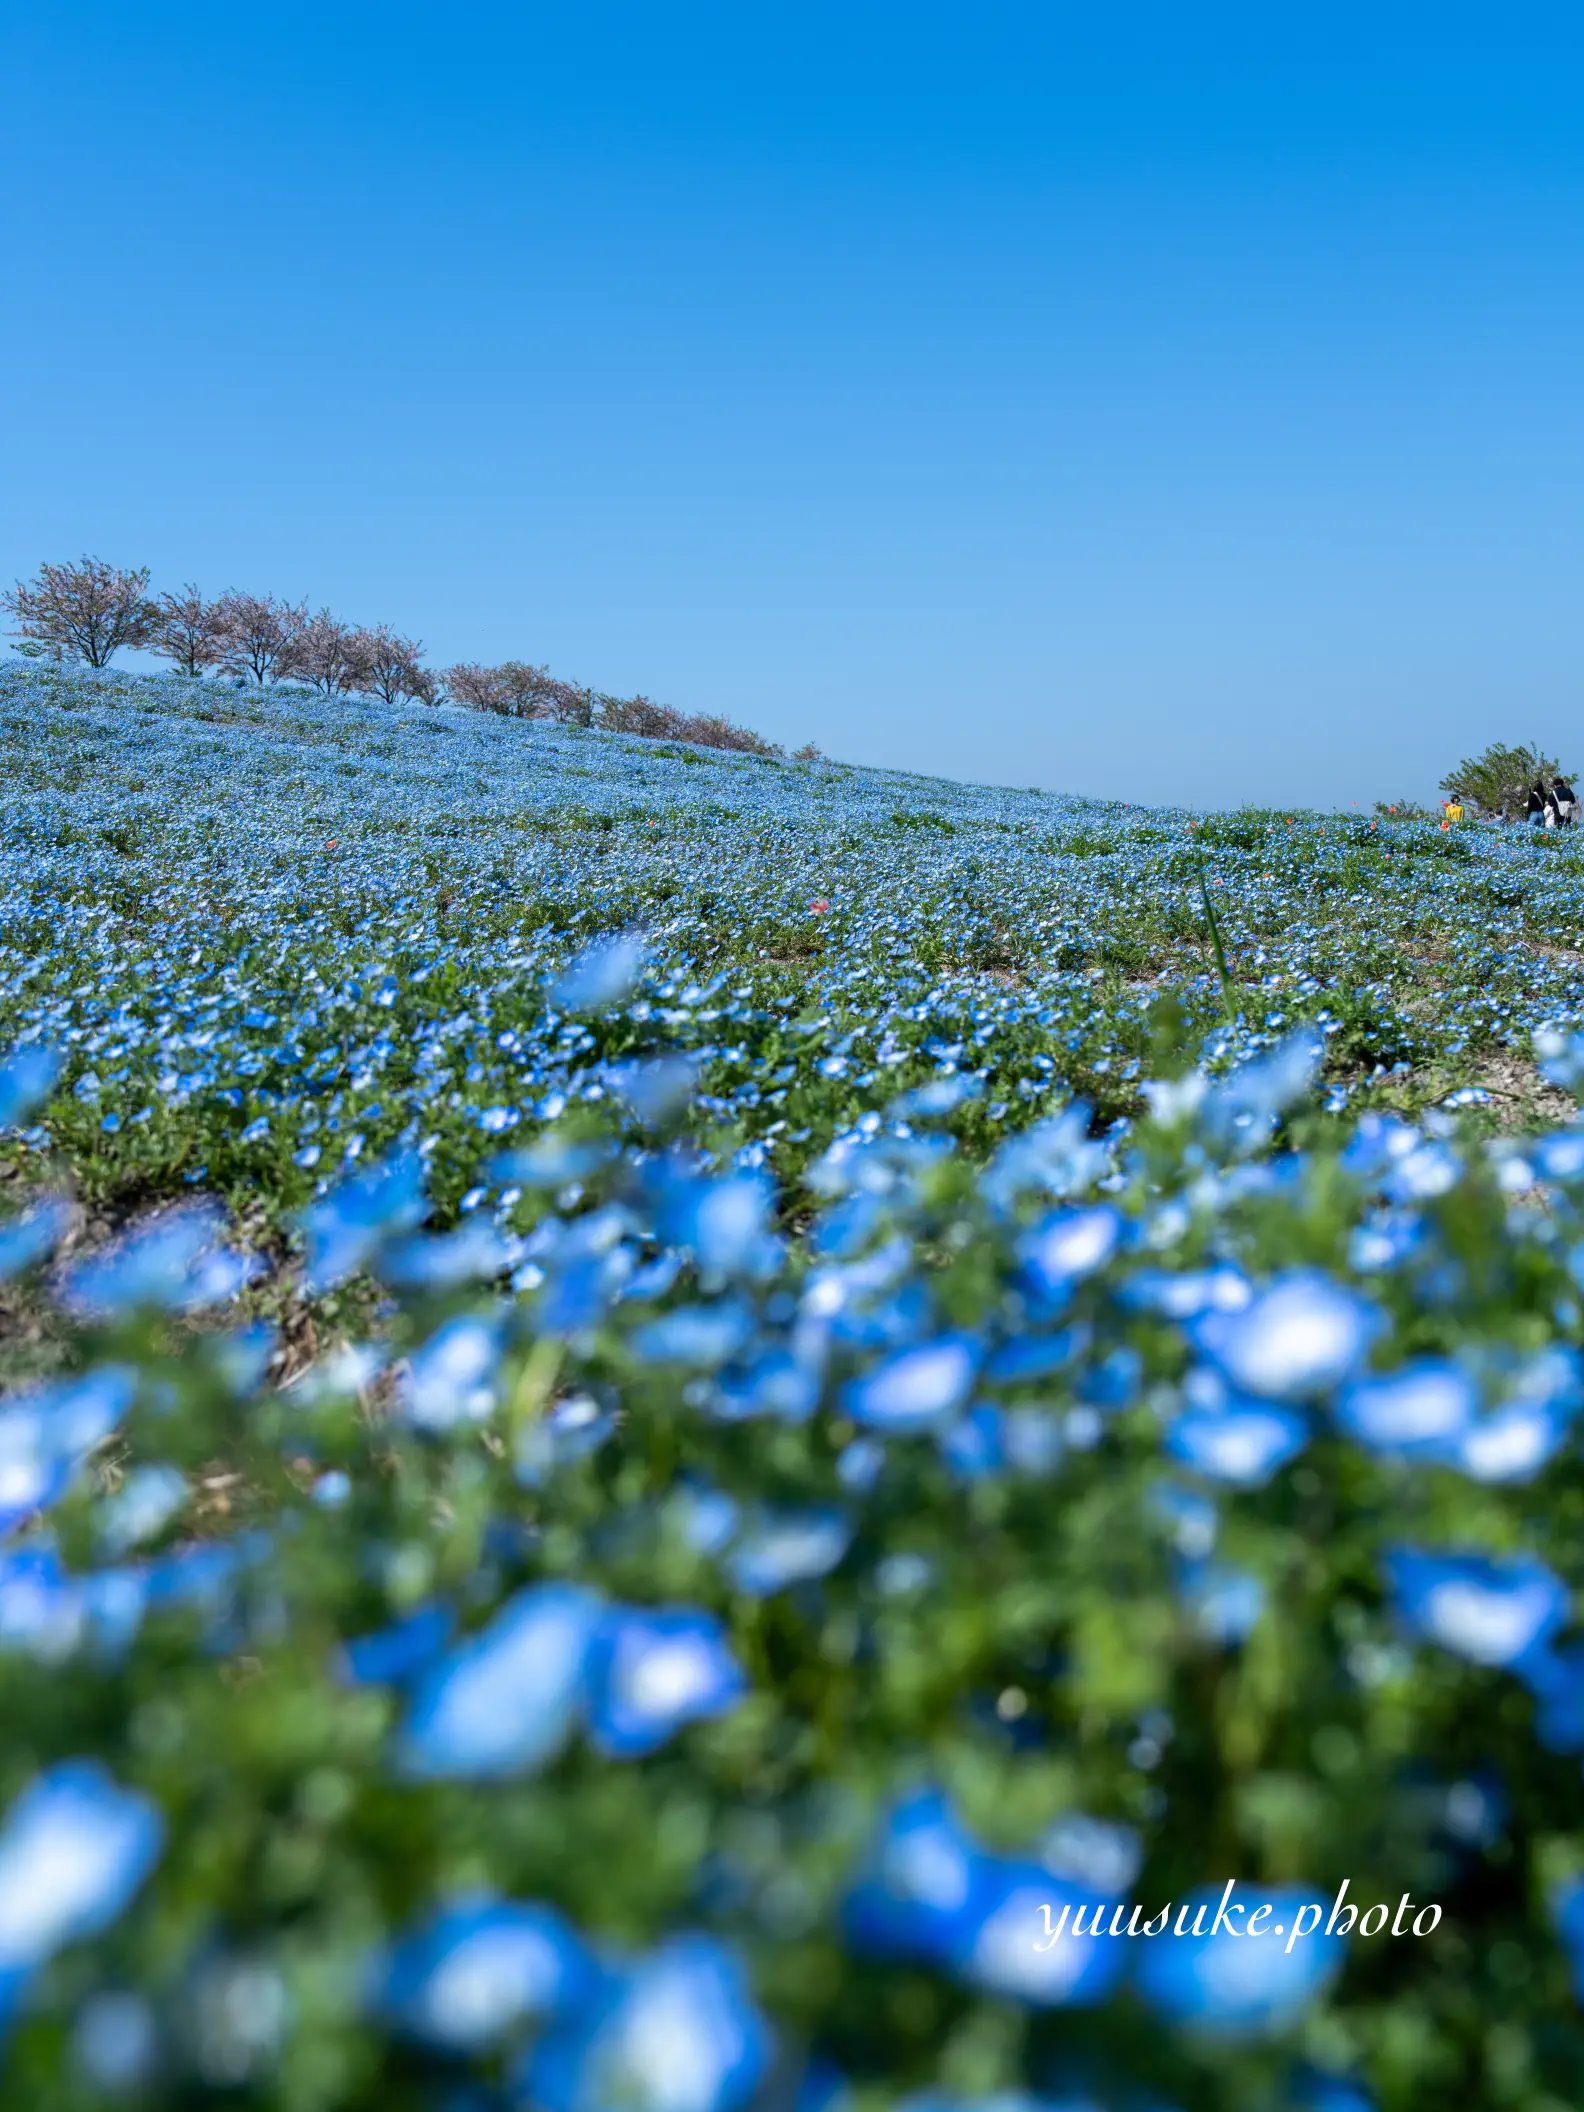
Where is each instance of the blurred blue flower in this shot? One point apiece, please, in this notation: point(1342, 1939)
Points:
point(701, 1335)
point(348, 1228)
point(1488, 1609)
point(1300, 1336)
point(507, 1699)
point(29, 1238)
point(722, 1220)
point(74, 1849)
point(45, 1431)
point(776, 1384)
point(569, 1429)
point(1567, 1913)
point(478, 1968)
point(1242, 1444)
point(1013, 1949)
point(1029, 1357)
point(1419, 1409)
point(974, 1444)
point(147, 1500)
point(474, 1250)
point(390, 1656)
point(26, 1076)
point(163, 1265)
point(676, 2032)
point(780, 1548)
point(937, 1097)
point(653, 1670)
point(1240, 1111)
point(657, 1091)
point(450, 1379)
point(1066, 1247)
point(1234, 1984)
point(1098, 1854)
point(1223, 1602)
point(919, 1892)
point(601, 975)
point(915, 1388)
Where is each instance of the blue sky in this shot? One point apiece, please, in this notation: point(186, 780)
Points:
point(1166, 403)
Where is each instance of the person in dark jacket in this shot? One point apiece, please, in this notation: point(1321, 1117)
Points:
point(1566, 803)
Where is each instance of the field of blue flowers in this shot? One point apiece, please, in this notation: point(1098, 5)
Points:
point(665, 1405)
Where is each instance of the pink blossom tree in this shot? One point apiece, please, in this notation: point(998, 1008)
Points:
point(257, 634)
point(188, 631)
point(85, 611)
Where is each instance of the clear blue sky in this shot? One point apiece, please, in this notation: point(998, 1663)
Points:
point(1161, 401)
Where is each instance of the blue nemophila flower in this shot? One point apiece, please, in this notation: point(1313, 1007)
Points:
point(776, 1549)
point(475, 1250)
point(678, 2031)
point(508, 1698)
point(167, 1265)
point(1025, 1942)
point(1558, 1158)
point(146, 1502)
point(115, 2041)
point(391, 1656)
point(1488, 1609)
point(601, 976)
point(1240, 1111)
point(723, 1221)
point(46, 1431)
point(33, 1236)
point(477, 1969)
point(919, 1892)
point(569, 1429)
point(1233, 1983)
point(939, 1096)
point(26, 1076)
point(1223, 1602)
point(1243, 1443)
point(657, 1091)
point(1187, 1295)
point(916, 1388)
point(974, 1445)
point(1561, 1059)
point(1098, 1854)
point(1567, 1915)
point(347, 1229)
point(1302, 1335)
point(450, 1379)
point(1421, 1409)
point(1056, 1157)
point(1029, 1357)
point(777, 1383)
point(652, 1670)
point(553, 1161)
point(705, 1336)
point(707, 1518)
point(74, 1849)
point(1066, 1247)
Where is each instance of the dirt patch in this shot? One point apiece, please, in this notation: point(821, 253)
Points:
point(1520, 1096)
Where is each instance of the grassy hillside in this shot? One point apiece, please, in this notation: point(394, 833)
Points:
point(266, 926)
point(661, 1409)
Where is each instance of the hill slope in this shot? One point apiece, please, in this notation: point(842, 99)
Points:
point(336, 919)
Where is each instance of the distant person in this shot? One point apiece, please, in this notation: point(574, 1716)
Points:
point(1566, 803)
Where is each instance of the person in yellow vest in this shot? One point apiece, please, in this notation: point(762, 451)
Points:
point(1452, 808)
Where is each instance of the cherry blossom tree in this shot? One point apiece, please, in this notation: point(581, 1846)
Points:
point(188, 631)
point(258, 634)
point(391, 665)
point(330, 654)
point(83, 611)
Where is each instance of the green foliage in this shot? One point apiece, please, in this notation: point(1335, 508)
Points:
point(1498, 781)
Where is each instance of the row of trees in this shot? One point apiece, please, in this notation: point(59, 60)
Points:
point(90, 610)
